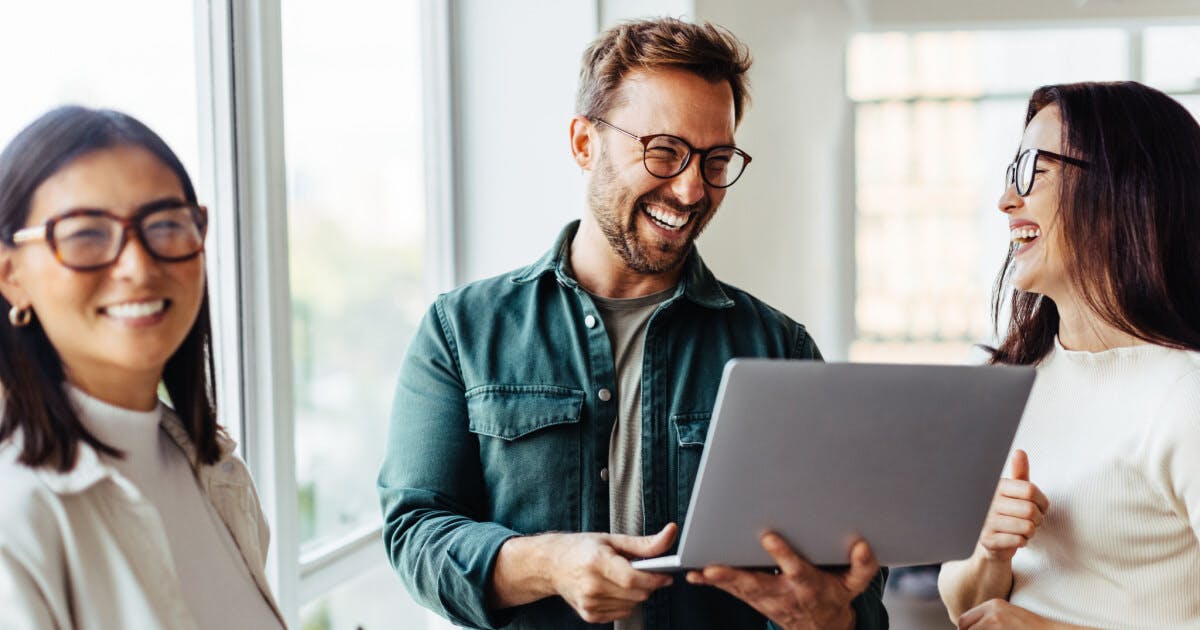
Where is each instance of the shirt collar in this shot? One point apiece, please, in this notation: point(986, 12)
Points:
point(90, 469)
point(698, 283)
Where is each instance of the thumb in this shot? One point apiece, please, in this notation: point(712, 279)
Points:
point(645, 546)
point(1020, 465)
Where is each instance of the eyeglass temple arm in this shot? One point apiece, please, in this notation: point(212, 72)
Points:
point(1065, 158)
point(25, 235)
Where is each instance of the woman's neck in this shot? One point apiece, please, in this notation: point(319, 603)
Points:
point(136, 392)
point(1080, 328)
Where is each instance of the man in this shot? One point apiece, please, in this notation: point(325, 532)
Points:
point(548, 423)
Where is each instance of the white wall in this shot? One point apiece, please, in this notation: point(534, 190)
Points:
point(780, 233)
point(515, 68)
point(515, 65)
point(785, 232)
point(614, 11)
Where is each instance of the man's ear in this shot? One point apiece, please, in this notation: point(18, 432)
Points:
point(583, 145)
point(10, 283)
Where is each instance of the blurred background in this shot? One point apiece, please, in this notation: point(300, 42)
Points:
point(364, 155)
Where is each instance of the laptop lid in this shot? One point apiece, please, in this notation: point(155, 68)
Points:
point(907, 456)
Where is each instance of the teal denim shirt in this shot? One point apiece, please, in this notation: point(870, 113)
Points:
point(498, 429)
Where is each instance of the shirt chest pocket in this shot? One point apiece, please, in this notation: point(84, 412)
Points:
point(691, 431)
point(529, 451)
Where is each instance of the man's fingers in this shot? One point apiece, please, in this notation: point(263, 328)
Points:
point(1020, 465)
point(617, 571)
point(790, 563)
point(734, 581)
point(604, 610)
point(863, 568)
point(645, 546)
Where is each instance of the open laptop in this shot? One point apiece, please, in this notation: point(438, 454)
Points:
point(905, 456)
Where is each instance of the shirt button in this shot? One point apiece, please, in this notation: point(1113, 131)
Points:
point(604, 395)
point(603, 474)
point(590, 321)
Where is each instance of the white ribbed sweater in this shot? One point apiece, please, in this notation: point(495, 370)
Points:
point(1114, 442)
point(217, 585)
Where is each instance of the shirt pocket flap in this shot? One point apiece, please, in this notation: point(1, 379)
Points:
point(691, 428)
point(510, 412)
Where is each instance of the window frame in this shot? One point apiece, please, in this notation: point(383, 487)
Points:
point(242, 170)
point(1135, 55)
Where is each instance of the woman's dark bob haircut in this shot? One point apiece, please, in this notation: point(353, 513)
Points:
point(36, 406)
point(1129, 223)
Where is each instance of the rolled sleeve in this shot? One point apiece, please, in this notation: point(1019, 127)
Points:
point(431, 486)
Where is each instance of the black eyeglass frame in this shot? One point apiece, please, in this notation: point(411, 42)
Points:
point(687, 159)
point(45, 231)
point(1010, 173)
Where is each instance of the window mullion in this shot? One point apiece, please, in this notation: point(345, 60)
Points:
point(262, 248)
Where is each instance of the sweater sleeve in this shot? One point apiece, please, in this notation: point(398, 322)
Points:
point(1173, 448)
point(431, 487)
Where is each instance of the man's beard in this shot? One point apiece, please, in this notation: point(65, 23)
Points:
point(606, 200)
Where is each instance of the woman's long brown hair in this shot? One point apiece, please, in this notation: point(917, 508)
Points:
point(1129, 223)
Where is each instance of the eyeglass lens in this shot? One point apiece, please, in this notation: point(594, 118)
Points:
point(1021, 172)
point(91, 240)
point(665, 157)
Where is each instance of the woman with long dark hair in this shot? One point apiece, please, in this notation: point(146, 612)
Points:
point(1099, 524)
point(117, 510)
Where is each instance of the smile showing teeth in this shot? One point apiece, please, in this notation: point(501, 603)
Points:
point(134, 310)
point(668, 220)
point(1023, 235)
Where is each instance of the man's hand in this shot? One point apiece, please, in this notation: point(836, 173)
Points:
point(593, 574)
point(590, 571)
point(998, 613)
point(1017, 510)
point(800, 596)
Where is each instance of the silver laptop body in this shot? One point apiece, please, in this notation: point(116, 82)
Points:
point(906, 456)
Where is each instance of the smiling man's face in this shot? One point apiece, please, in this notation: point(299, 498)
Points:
point(651, 223)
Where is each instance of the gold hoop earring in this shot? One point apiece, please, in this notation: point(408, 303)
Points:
point(20, 317)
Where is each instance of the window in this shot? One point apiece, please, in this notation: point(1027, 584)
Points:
point(356, 241)
point(100, 58)
point(937, 117)
point(308, 141)
point(371, 601)
point(355, 210)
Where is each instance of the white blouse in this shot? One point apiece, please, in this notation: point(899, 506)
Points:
point(147, 541)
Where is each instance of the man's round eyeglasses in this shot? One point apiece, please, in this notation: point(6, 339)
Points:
point(666, 156)
point(1021, 172)
point(87, 239)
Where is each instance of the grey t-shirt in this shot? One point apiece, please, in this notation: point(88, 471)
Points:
point(625, 321)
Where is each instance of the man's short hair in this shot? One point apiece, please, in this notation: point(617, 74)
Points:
point(706, 49)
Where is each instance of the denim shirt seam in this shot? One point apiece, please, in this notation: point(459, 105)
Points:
point(444, 324)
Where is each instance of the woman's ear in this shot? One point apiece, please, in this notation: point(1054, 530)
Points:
point(10, 280)
point(582, 146)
